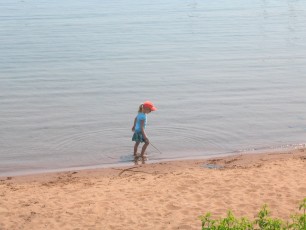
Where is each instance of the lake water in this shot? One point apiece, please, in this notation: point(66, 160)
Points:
point(227, 76)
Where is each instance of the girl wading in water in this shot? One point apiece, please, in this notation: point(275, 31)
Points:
point(139, 126)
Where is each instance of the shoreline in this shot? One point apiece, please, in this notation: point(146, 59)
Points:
point(131, 163)
point(163, 195)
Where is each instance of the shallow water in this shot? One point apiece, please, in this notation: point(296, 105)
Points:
point(226, 76)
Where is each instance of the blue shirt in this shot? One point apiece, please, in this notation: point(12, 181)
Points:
point(140, 117)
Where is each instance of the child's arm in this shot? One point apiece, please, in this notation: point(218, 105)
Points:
point(143, 132)
point(133, 128)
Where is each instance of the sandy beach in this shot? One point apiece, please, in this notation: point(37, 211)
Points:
point(167, 195)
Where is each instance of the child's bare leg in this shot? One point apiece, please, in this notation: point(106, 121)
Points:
point(144, 147)
point(136, 160)
point(135, 148)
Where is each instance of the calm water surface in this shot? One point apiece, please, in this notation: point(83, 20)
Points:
point(226, 76)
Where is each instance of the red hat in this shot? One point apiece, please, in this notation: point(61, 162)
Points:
point(149, 104)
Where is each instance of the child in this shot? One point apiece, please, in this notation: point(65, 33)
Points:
point(140, 125)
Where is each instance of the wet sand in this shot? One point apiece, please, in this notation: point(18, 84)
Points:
point(167, 195)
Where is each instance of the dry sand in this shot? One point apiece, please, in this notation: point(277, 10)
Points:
point(168, 195)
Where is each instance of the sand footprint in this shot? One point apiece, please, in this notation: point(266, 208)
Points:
point(172, 206)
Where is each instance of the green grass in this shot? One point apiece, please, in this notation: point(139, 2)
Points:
point(263, 221)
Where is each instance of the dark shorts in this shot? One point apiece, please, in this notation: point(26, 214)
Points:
point(138, 137)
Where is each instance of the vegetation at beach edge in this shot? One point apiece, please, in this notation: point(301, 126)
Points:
point(262, 221)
